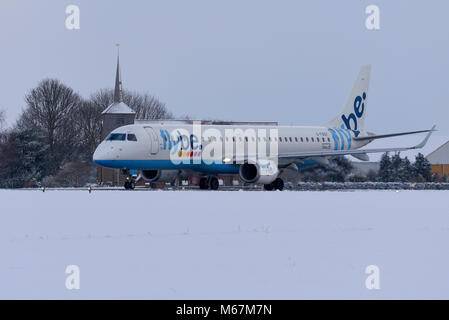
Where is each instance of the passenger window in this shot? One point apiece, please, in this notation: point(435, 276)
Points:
point(296, 139)
point(132, 137)
point(246, 139)
point(290, 139)
point(328, 140)
point(312, 140)
point(280, 139)
point(302, 140)
point(307, 139)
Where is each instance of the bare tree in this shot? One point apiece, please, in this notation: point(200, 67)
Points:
point(88, 126)
point(146, 106)
point(2, 119)
point(72, 174)
point(102, 98)
point(50, 111)
point(50, 107)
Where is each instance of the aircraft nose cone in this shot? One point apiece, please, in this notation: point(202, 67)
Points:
point(99, 155)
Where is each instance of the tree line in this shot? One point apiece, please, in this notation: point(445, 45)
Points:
point(396, 169)
point(54, 138)
point(392, 168)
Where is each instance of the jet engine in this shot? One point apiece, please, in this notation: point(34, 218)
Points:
point(262, 171)
point(160, 175)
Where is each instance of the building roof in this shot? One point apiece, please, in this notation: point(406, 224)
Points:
point(118, 108)
point(440, 155)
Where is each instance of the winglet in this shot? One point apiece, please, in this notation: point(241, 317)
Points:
point(423, 143)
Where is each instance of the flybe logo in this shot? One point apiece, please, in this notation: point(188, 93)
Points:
point(182, 142)
point(359, 109)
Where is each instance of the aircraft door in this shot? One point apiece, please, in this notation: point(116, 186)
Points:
point(154, 140)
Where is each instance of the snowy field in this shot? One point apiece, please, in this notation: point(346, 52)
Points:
point(239, 245)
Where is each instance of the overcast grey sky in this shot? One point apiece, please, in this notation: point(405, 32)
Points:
point(290, 61)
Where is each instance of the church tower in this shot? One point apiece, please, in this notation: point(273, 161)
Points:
point(117, 114)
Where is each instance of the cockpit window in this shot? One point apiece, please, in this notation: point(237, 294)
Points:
point(131, 137)
point(116, 137)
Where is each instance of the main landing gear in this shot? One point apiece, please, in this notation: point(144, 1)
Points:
point(209, 182)
point(277, 184)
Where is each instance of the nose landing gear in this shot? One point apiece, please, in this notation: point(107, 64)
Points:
point(129, 184)
point(131, 175)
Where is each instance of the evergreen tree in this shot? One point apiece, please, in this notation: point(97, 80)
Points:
point(396, 163)
point(338, 169)
point(421, 168)
point(23, 156)
point(385, 168)
point(405, 171)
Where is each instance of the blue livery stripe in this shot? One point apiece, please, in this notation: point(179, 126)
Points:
point(169, 165)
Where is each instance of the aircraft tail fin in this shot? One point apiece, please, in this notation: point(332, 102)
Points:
point(353, 115)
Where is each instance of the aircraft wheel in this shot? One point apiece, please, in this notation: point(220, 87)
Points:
point(203, 184)
point(278, 184)
point(127, 185)
point(268, 187)
point(213, 183)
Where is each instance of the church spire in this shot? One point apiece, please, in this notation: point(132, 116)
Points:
point(118, 81)
point(118, 106)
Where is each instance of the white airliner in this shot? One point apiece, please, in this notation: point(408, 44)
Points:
point(257, 151)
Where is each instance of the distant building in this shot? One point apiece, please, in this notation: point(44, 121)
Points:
point(439, 160)
point(116, 115)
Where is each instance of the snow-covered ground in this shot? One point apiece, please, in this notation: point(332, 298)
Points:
point(194, 244)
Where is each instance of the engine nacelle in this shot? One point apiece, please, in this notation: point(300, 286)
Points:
point(263, 171)
point(160, 175)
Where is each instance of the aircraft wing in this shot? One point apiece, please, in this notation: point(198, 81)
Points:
point(389, 135)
